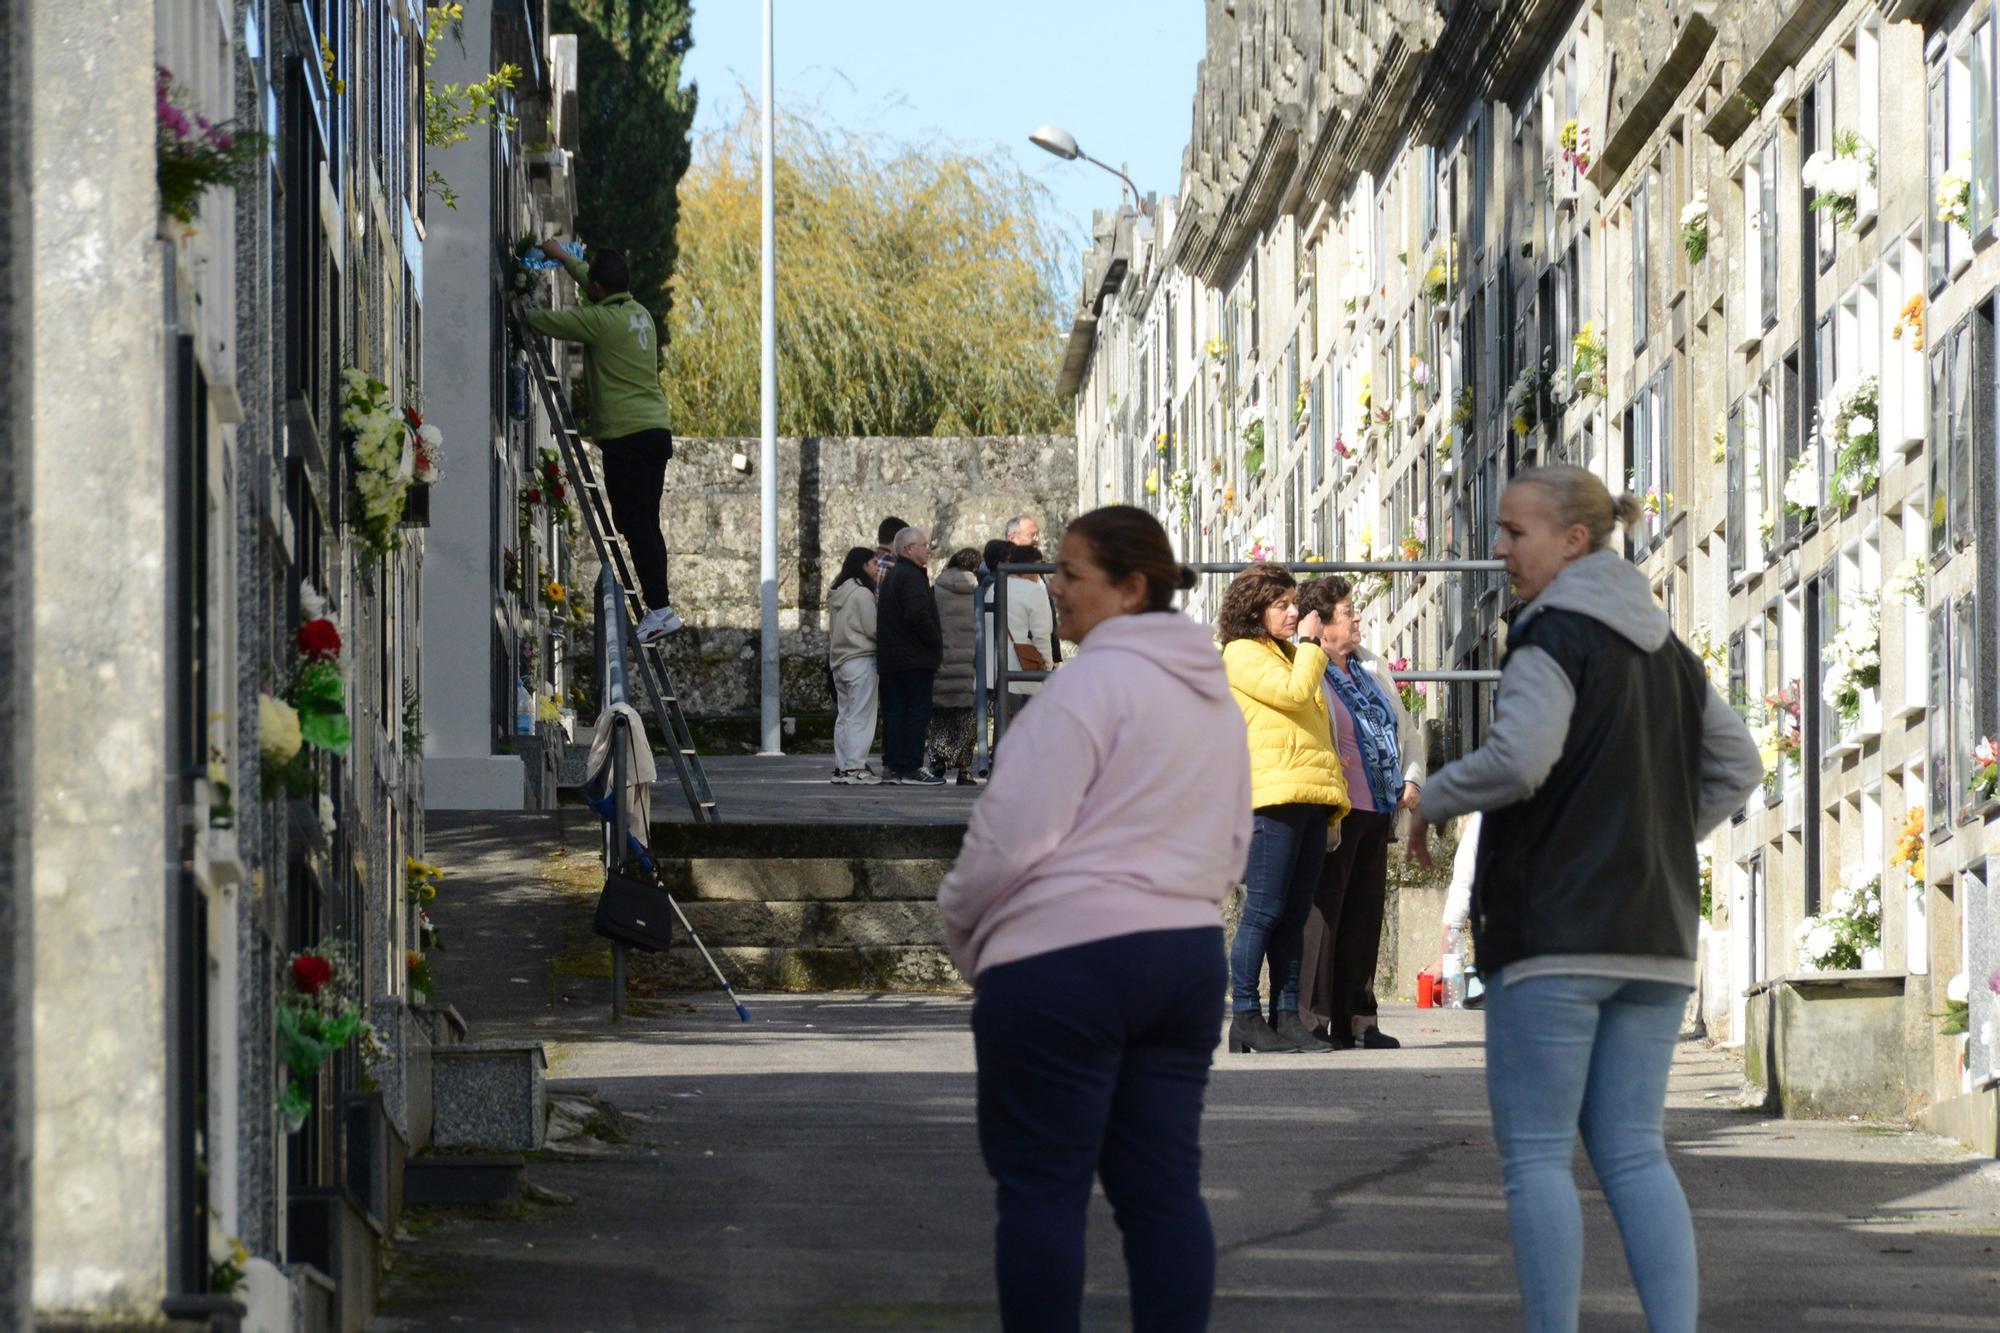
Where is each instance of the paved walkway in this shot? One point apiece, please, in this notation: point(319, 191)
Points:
point(818, 1168)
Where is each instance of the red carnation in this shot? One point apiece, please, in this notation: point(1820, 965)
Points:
point(556, 491)
point(414, 417)
point(535, 495)
point(319, 640)
point(311, 973)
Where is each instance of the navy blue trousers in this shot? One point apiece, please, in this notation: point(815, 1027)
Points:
point(1092, 1064)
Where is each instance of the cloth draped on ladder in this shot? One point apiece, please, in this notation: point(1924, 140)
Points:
point(640, 771)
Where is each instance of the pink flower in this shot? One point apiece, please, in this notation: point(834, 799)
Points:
point(1993, 982)
point(1400, 664)
point(174, 119)
point(1986, 752)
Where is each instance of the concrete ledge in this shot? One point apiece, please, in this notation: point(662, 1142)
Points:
point(816, 925)
point(760, 880)
point(1828, 1044)
point(488, 1095)
point(897, 842)
point(475, 782)
point(1973, 1119)
point(864, 968)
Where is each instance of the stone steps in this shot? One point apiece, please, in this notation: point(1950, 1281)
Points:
point(801, 906)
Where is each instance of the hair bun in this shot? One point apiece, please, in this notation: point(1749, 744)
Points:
point(1627, 508)
point(1186, 578)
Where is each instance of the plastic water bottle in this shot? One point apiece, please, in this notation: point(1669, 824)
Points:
point(524, 709)
point(1453, 968)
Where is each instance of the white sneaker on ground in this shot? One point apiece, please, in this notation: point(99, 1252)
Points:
point(658, 624)
point(854, 777)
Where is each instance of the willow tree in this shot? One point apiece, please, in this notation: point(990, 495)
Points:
point(918, 289)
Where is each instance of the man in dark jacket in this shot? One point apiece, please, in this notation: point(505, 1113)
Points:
point(909, 647)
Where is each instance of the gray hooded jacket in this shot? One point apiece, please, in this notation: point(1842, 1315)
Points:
point(1531, 728)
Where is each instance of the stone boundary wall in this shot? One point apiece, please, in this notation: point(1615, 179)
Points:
point(832, 492)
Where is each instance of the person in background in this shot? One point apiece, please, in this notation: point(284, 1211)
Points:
point(1031, 627)
point(1022, 530)
point(909, 645)
point(885, 554)
point(1085, 908)
point(1609, 757)
point(1298, 793)
point(950, 743)
point(1381, 756)
point(626, 410)
point(850, 654)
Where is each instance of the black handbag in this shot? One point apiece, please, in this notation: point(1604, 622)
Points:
point(635, 913)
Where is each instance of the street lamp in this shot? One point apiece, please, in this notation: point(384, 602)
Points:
point(1057, 140)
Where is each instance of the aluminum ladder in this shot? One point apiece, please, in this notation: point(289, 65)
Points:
point(651, 658)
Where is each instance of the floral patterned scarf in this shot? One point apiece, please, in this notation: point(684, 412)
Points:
point(1374, 728)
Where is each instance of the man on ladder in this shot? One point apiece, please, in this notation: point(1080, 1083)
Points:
point(626, 411)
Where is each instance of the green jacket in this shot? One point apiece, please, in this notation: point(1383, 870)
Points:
point(621, 360)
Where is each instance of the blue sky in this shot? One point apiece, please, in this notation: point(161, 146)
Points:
point(1117, 74)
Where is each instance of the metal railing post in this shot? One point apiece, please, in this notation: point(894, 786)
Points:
point(979, 648)
point(1003, 652)
point(611, 692)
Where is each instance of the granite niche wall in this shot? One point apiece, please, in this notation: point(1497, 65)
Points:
point(831, 495)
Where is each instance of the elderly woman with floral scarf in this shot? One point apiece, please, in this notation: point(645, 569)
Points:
point(1382, 754)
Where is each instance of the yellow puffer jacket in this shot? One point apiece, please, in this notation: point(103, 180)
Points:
point(1292, 756)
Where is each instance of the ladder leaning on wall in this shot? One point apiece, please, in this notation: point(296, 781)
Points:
point(651, 658)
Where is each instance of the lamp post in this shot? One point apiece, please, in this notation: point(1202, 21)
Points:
point(767, 456)
point(1055, 139)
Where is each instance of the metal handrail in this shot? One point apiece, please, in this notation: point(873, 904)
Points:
point(612, 691)
point(1005, 673)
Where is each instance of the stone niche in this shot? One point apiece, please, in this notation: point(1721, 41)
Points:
point(832, 493)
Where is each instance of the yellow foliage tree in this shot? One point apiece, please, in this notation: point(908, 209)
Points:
point(917, 289)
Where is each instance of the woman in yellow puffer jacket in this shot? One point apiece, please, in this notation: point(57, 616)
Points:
point(1298, 793)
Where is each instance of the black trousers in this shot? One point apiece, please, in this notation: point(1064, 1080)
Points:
point(1344, 932)
point(635, 480)
point(906, 715)
point(1093, 1063)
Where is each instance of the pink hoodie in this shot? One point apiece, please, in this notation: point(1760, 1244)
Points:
point(1120, 802)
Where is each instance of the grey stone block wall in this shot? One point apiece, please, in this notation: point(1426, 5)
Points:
point(832, 492)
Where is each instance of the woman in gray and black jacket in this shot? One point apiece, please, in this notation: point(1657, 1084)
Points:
point(1609, 758)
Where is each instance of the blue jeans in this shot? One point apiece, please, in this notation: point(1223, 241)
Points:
point(1093, 1061)
point(1287, 849)
point(1589, 1052)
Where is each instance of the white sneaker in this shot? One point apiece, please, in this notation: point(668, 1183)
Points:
point(658, 624)
point(855, 777)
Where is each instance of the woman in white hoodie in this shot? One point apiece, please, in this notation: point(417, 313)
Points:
point(1085, 906)
point(850, 652)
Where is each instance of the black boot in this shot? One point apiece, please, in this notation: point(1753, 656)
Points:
point(1290, 1028)
point(1249, 1032)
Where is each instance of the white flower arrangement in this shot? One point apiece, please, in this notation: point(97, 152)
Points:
point(1713, 655)
point(1858, 454)
point(1837, 178)
point(1521, 407)
point(1846, 929)
point(1910, 580)
point(385, 462)
point(1694, 227)
point(1259, 546)
point(1802, 487)
point(1854, 659)
point(1954, 199)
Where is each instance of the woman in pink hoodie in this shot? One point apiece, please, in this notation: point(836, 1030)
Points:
point(1085, 909)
